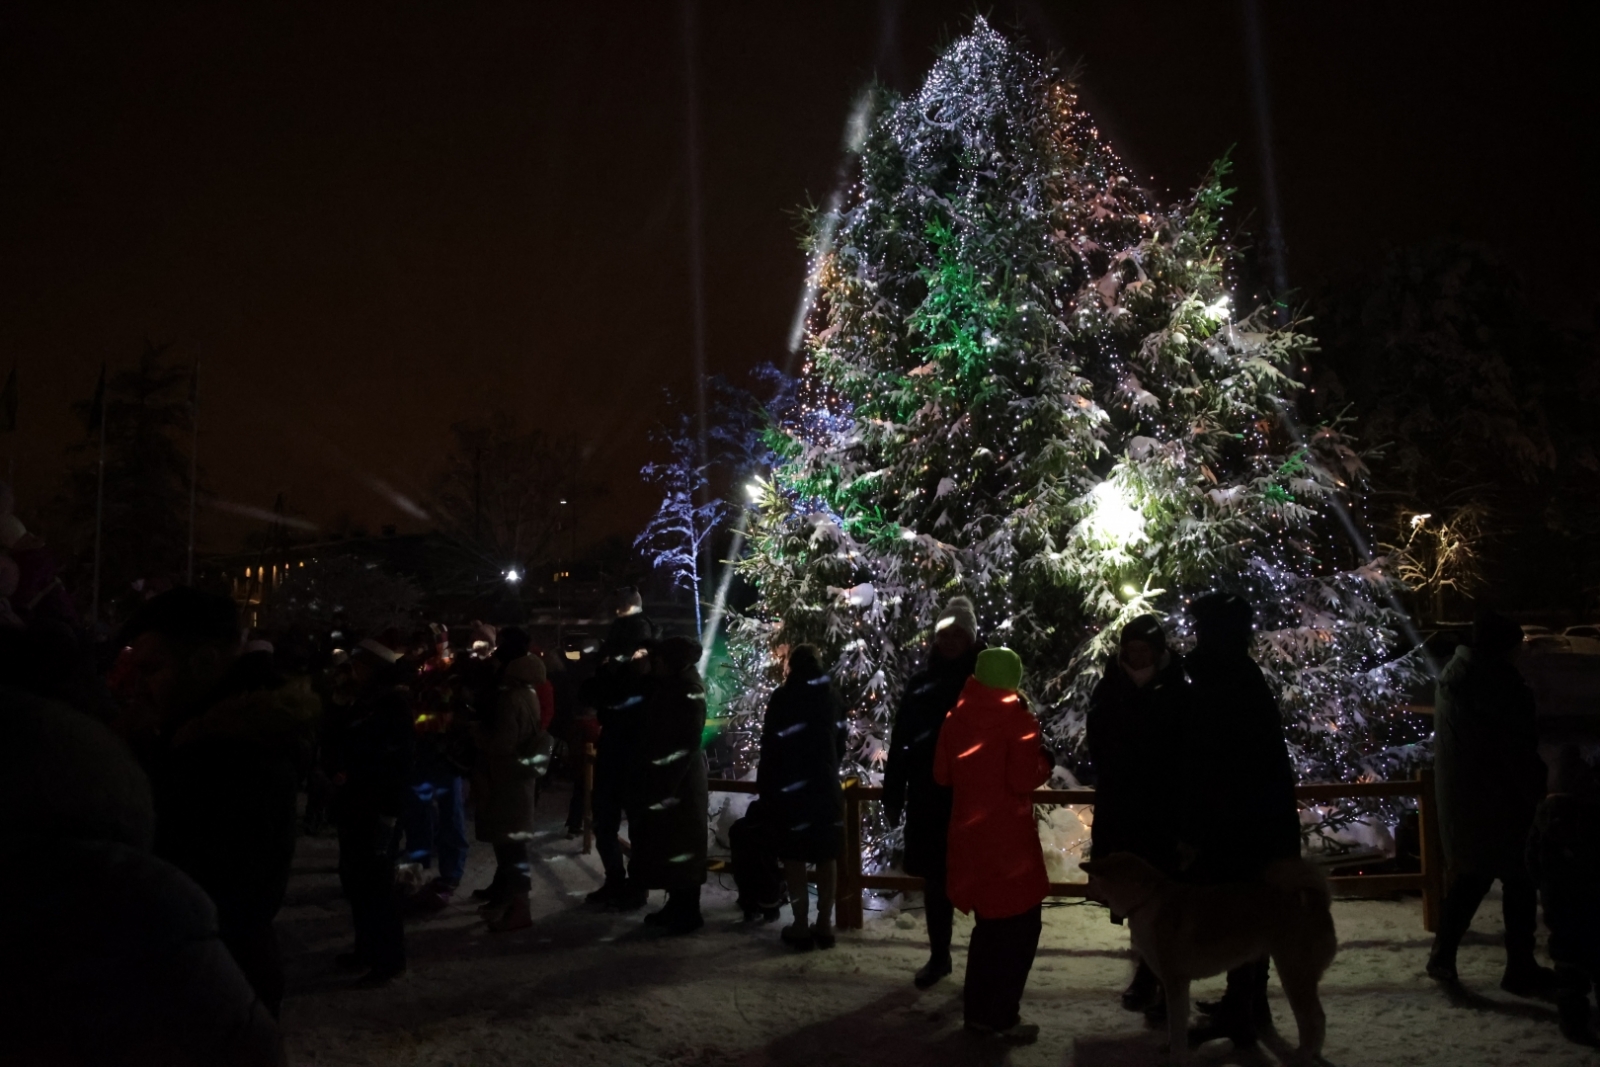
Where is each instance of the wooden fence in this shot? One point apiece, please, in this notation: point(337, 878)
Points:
point(1429, 881)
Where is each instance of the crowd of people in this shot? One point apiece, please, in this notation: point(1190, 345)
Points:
point(161, 789)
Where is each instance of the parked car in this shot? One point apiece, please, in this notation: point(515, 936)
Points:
point(1584, 639)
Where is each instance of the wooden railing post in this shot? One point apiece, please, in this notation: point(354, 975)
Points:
point(586, 783)
point(848, 914)
point(1432, 849)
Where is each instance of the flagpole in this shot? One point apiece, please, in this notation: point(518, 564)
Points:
point(194, 460)
point(99, 510)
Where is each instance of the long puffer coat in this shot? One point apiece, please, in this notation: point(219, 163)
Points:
point(801, 742)
point(121, 961)
point(1240, 811)
point(1134, 735)
point(667, 791)
point(1488, 776)
point(908, 777)
point(991, 755)
point(502, 790)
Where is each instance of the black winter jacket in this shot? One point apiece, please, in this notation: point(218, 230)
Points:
point(802, 740)
point(374, 747)
point(666, 792)
point(1135, 736)
point(908, 783)
point(1239, 810)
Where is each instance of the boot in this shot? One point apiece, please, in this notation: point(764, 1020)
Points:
point(937, 967)
point(1575, 1021)
point(683, 912)
point(1442, 964)
point(1143, 991)
point(630, 897)
point(606, 894)
point(1525, 978)
point(495, 910)
point(495, 890)
point(1240, 1011)
point(514, 917)
point(435, 896)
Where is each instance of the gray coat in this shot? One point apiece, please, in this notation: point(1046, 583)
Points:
point(1487, 772)
point(502, 793)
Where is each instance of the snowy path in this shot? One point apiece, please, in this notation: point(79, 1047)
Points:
point(586, 987)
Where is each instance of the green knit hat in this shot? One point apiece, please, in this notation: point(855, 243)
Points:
point(999, 668)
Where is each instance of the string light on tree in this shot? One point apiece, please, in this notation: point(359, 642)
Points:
point(1026, 382)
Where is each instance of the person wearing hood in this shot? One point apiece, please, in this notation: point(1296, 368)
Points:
point(667, 788)
point(226, 741)
point(630, 630)
point(373, 751)
point(1134, 731)
point(617, 692)
point(908, 785)
point(1240, 812)
point(504, 777)
point(991, 755)
point(121, 962)
point(802, 740)
point(1489, 779)
point(1563, 859)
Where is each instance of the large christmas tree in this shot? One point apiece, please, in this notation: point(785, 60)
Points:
point(1027, 382)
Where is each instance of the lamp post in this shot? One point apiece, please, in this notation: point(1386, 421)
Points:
point(561, 576)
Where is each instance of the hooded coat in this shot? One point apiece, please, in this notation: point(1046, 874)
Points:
point(1135, 738)
point(1488, 775)
point(667, 792)
point(226, 785)
point(802, 739)
point(908, 777)
point(373, 744)
point(121, 961)
point(990, 753)
point(502, 792)
point(1240, 811)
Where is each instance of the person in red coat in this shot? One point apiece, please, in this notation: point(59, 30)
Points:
point(991, 755)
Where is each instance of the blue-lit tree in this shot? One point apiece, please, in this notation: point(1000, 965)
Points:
point(1028, 382)
point(676, 537)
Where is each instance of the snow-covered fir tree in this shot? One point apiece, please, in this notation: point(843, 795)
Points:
point(1029, 382)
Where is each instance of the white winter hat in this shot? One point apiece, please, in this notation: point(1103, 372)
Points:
point(959, 613)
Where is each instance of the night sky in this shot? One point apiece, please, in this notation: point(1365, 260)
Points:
point(370, 221)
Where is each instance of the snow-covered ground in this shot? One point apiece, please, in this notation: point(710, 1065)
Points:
point(593, 987)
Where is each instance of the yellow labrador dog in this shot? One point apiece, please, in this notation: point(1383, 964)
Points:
point(1185, 932)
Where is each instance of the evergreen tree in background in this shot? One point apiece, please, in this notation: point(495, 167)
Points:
point(1027, 383)
point(1481, 413)
point(147, 416)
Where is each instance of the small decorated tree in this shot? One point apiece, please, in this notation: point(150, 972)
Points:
point(1028, 383)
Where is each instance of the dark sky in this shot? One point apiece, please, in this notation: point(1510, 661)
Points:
point(370, 221)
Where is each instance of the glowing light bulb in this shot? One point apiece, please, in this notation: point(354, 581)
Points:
point(1112, 518)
